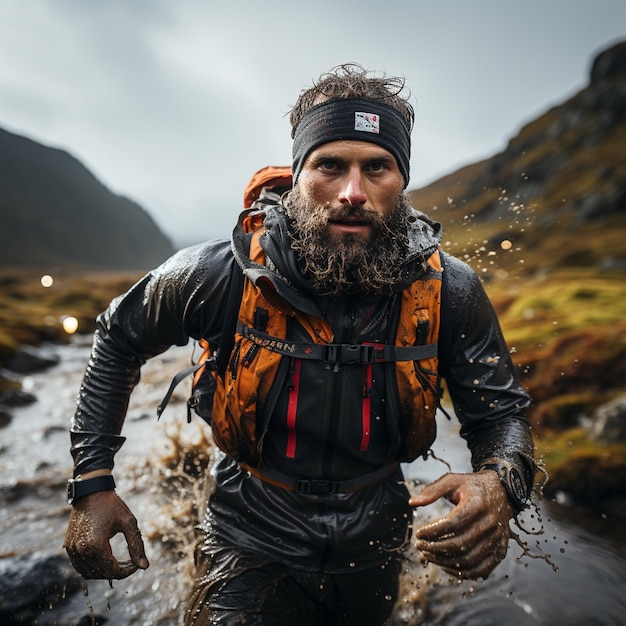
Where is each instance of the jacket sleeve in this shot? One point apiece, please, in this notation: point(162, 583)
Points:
point(182, 299)
point(487, 396)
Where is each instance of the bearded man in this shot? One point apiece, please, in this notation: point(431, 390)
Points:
point(348, 317)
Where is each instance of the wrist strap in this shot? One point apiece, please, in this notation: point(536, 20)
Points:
point(79, 488)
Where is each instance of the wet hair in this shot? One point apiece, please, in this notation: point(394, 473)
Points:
point(351, 80)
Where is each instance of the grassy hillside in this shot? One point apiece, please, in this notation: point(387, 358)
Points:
point(544, 224)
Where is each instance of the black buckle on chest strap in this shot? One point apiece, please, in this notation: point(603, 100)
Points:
point(358, 354)
point(339, 353)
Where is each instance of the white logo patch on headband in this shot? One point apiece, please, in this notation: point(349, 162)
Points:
point(367, 122)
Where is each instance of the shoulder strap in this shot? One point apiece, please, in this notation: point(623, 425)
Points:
point(231, 315)
point(227, 336)
point(445, 331)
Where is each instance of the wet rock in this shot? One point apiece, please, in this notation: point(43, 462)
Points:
point(5, 417)
point(29, 359)
point(609, 422)
point(31, 583)
point(17, 397)
point(42, 487)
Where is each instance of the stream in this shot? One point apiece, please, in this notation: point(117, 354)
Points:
point(574, 572)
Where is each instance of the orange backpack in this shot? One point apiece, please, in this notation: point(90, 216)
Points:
point(230, 379)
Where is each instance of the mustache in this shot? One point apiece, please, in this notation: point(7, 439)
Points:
point(349, 212)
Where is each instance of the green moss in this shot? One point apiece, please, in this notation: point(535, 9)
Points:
point(566, 410)
point(31, 313)
point(587, 470)
point(566, 320)
point(566, 302)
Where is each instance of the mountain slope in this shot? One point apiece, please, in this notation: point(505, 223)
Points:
point(56, 214)
point(544, 224)
point(556, 196)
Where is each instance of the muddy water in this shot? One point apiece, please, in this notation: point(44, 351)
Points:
point(576, 573)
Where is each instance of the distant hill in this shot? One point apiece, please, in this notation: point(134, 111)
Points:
point(555, 197)
point(56, 214)
point(544, 223)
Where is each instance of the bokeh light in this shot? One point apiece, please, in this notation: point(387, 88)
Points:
point(47, 280)
point(70, 324)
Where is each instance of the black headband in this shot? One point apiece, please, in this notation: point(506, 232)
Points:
point(357, 119)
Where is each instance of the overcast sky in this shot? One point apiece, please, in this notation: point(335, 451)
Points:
point(176, 103)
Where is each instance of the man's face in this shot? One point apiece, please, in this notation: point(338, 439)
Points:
point(349, 218)
point(357, 182)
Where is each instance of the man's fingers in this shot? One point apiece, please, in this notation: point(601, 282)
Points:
point(136, 548)
point(127, 524)
point(94, 521)
point(461, 525)
point(455, 546)
point(473, 537)
point(99, 565)
point(473, 554)
point(455, 555)
point(430, 493)
point(112, 571)
point(474, 562)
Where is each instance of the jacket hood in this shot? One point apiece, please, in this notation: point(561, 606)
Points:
point(282, 270)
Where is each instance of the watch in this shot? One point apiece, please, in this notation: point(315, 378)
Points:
point(79, 488)
point(512, 481)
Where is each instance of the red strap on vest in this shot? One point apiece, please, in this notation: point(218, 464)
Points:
point(366, 406)
point(292, 408)
point(366, 410)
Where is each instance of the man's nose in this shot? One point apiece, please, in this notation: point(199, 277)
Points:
point(352, 191)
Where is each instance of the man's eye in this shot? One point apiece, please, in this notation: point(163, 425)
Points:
point(328, 165)
point(377, 166)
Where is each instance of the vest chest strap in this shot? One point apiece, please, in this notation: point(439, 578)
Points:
point(338, 353)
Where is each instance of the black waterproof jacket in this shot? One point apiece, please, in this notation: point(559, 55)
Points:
point(186, 298)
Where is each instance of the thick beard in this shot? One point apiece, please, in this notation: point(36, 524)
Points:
point(348, 264)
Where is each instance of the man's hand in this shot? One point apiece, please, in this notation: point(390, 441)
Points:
point(94, 520)
point(473, 538)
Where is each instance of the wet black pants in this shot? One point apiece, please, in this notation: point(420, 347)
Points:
point(235, 588)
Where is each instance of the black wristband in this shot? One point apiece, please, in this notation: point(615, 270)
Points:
point(79, 488)
point(513, 483)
